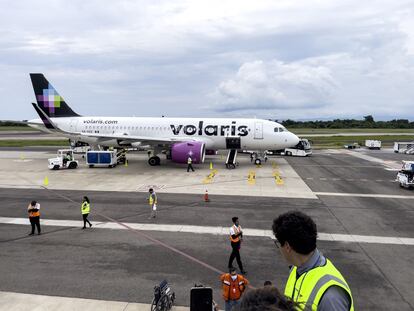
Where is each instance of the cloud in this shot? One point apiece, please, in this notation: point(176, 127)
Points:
point(272, 59)
point(276, 85)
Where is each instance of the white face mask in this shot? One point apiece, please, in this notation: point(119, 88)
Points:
point(234, 277)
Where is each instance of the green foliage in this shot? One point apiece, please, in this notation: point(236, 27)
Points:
point(12, 123)
point(368, 122)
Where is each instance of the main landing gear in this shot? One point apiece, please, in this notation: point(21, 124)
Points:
point(154, 161)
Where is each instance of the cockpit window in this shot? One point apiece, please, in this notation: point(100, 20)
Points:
point(280, 129)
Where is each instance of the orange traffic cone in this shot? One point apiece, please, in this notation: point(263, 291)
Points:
point(206, 199)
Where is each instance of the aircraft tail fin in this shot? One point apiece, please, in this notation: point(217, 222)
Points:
point(48, 99)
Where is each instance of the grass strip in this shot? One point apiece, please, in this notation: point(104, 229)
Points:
point(31, 143)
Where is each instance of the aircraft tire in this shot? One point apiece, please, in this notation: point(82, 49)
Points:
point(158, 160)
point(153, 161)
point(257, 161)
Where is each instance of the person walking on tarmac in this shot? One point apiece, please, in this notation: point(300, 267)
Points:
point(190, 164)
point(152, 200)
point(34, 216)
point(314, 282)
point(86, 209)
point(233, 286)
point(236, 237)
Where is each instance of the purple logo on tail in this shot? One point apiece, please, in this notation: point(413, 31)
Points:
point(50, 99)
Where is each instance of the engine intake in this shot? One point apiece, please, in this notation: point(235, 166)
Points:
point(181, 151)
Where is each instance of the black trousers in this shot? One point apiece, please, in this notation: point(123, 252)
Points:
point(190, 166)
point(235, 254)
point(85, 220)
point(35, 221)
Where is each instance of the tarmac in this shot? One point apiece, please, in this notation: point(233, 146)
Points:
point(364, 222)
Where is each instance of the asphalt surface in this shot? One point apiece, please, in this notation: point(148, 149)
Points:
point(123, 265)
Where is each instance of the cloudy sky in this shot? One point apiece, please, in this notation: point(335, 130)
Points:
point(269, 59)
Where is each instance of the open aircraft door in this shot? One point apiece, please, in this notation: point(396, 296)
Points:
point(258, 130)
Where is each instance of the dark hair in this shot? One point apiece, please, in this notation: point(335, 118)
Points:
point(267, 283)
point(296, 228)
point(266, 298)
point(150, 189)
point(234, 219)
point(33, 203)
point(232, 269)
point(85, 198)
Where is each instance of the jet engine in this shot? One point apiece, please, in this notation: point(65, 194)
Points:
point(181, 151)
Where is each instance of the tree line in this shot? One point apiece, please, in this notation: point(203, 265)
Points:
point(367, 122)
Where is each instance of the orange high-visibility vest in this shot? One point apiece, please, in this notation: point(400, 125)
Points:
point(33, 213)
point(232, 290)
point(236, 231)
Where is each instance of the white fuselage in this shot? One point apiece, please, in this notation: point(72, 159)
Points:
point(255, 134)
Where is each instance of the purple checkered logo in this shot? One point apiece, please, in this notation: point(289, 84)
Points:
point(50, 99)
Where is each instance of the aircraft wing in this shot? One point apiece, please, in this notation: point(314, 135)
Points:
point(145, 140)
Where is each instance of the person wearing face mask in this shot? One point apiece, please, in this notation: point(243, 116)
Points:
point(233, 286)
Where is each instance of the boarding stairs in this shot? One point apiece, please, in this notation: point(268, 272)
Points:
point(231, 159)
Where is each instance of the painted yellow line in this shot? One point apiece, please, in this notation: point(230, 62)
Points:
point(278, 179)
point(251, 178)
point(210, 177)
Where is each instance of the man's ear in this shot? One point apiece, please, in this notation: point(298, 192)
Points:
point(288, 248)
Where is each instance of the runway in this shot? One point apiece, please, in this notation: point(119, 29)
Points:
point(359, 211)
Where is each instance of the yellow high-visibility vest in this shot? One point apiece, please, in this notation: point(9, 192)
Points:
point(308, 289)
point(86, 208)
point(152, 199)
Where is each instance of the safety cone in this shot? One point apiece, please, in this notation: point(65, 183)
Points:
point(206, 199)
point(46, 181)
point(211, 165)
point(126, 162)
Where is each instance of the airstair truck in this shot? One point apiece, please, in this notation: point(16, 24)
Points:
point(405, 177)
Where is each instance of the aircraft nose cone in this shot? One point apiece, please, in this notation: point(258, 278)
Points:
point(294, 139)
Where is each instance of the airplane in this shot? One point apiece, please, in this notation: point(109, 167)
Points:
point(178, 138)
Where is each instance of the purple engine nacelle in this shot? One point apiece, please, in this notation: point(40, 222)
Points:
point(181, 151)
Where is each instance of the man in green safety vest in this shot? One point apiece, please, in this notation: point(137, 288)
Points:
point(152, 200)
point(314, 283)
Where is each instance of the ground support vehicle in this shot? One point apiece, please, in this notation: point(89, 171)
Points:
point(101, 158)
point(405, 177)
point(404, 147)
point(373, 144)
point(302, 149)
point(63, 160)
point(352, 146)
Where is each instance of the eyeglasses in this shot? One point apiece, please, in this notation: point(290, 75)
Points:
point(277, 243)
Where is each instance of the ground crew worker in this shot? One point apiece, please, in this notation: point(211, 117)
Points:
point(236, 237)
point(66, 158)
point(233, 286)
point(314, 282)
point(152, 200)
point(34, 216)
point(85, 209)
point(190, 164)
